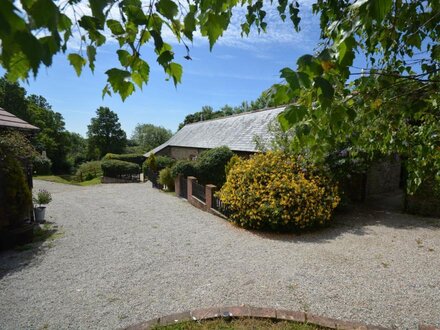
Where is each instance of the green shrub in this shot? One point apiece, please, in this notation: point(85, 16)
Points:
point(183, 167)
point(15, 196)
point(210, 165)
point(132, 158)
point(41, 165)
point(273, 191)
point(89, 171)
point(166, 178)
point(114, 168)
point(150, 163)
point(164, 162)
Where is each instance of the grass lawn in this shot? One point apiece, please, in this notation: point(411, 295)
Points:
point(67, 179)
point(239, 324)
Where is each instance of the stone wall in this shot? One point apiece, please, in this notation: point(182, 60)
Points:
point(383, 176)
point(426, 201)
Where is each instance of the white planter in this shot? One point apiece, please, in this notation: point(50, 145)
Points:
point(40, 212)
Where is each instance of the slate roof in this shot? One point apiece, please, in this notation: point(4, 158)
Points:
point(236, 132)
point(9, 120)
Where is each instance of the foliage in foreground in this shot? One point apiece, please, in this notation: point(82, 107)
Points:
point(278, 192)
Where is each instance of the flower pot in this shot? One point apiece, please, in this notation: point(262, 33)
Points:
point(39, 212)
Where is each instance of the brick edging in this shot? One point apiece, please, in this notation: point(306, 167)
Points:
point(257, 312)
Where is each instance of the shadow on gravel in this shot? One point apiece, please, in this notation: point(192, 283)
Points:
point(22, 256)
point(382, 210)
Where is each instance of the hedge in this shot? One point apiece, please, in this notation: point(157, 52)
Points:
point(131, 158)
point(183, 167)
point(114, 168)
point(210, 165)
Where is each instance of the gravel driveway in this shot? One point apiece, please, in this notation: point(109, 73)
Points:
point(129, 253)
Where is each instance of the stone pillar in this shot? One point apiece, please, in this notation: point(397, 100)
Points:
point(209, 194)
point(177, 185)
point(190, 181)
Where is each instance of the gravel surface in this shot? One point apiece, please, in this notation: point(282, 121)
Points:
point(129, 253)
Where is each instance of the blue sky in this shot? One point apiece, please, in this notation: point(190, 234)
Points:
point(237, 69)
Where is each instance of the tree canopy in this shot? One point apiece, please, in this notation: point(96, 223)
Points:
point(52, 136)
point(105, 134)
point(149, 136)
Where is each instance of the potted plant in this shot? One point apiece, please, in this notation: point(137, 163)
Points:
point(42, 198)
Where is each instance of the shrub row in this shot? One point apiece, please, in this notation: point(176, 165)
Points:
point(114, 168)
point(132, 158)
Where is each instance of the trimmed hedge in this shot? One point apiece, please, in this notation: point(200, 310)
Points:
point(184, 167)
point(210, 165)
point(131, 158)
point(114, 168)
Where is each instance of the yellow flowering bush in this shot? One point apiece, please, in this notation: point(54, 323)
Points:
point(279, 192)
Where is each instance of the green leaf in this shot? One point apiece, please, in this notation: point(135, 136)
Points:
point(167, 8)
point(165, 57)
point(380, 8)
point(174, 70)
point(115, 27)
point(44, 14)
point(189, 23)
point(325, 91)
point(295, 79)
point(214, 27)
point(310, 65)
point(124, 57)
point(91, 55)
point(142, 68)
point(346, 51)
point(120, 82)
point(97, 7)
point(77, 62)
point(292, 115)
point(279, 94)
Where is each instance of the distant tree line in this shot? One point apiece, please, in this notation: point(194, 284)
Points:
point(66, 150)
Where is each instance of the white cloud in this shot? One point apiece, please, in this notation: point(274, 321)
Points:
point(278, 32)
